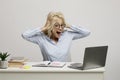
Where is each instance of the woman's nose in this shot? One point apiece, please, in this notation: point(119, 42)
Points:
point(60, 27)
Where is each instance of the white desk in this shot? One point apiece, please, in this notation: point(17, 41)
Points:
point(50, 73)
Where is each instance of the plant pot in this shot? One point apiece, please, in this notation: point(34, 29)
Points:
point(3, 64)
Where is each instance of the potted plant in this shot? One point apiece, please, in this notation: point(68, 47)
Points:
point(3, 61)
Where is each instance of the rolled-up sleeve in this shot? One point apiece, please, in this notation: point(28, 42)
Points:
point(78, 32)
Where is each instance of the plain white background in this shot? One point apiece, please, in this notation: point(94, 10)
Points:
point(101, 17)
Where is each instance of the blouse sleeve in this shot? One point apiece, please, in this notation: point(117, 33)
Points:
point(78, 32)
point(32, 35)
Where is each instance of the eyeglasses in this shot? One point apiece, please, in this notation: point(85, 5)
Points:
point(57, 25)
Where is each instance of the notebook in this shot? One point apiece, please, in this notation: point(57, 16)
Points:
point(94, 57)
point(50, 64)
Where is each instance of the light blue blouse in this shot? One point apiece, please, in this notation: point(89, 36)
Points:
point(52, 51)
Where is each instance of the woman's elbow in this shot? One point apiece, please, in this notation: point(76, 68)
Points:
point(87, 33)
point(23, 36)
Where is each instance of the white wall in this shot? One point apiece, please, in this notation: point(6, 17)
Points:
point(100, 16)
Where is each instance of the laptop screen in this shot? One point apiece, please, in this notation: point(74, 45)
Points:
point(95, 57)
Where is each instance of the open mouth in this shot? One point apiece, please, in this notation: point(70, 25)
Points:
point(59, 33)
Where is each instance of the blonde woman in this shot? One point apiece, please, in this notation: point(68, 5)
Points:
point(55, 37)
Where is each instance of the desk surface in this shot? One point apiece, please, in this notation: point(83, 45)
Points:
point(49, 69)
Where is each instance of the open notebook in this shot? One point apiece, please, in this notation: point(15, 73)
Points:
point(50, 64)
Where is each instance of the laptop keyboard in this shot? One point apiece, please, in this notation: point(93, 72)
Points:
point(75, 65)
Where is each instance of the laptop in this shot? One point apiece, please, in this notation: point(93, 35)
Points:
point(94, 57)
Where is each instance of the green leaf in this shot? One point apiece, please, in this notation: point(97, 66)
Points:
point(4, 55)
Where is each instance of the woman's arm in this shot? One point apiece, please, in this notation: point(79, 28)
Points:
point(32, 35)
point(78, 32)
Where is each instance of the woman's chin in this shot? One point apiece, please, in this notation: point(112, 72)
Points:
point(58, 36)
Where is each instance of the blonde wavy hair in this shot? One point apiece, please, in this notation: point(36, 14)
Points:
point(48, 27)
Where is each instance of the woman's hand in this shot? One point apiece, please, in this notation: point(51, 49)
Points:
point(68, 25)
